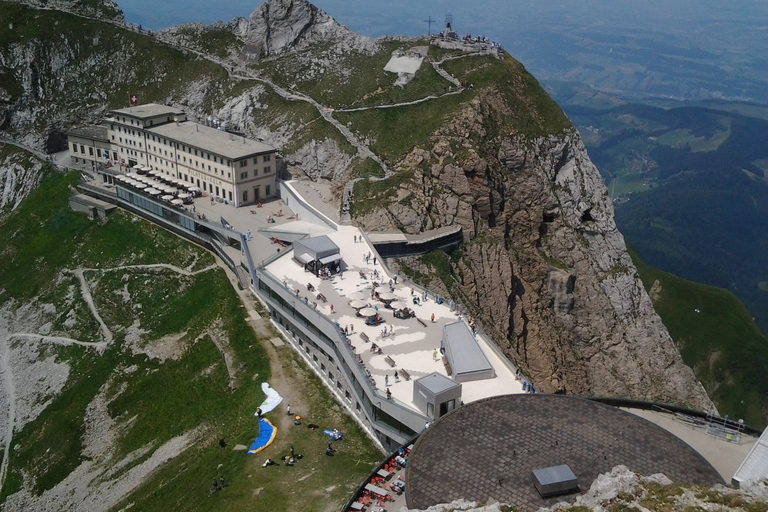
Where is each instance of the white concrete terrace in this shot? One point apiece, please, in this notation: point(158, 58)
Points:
point(411, 345)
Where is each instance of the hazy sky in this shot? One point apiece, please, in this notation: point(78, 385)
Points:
point(405, 17)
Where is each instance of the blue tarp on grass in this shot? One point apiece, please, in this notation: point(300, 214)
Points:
point(267, 433)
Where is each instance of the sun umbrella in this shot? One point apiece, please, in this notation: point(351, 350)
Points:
point(177, 202)
point(357, 304)
point(153, 191)
point(367, 312)
point(387, 296)
point(396, 304)
point(358, 296)
point(166, 197)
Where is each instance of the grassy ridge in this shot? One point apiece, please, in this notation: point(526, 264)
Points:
point(357, 80)
point(718, 338)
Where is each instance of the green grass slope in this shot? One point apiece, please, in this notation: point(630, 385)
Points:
point(152, 401)
point(718, 338)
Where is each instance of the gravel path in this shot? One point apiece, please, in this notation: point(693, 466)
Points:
point(88, 298)
point(7, 370)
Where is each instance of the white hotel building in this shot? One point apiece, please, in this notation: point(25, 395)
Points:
point(221, 164)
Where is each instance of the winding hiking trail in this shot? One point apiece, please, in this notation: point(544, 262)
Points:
point(85, 292)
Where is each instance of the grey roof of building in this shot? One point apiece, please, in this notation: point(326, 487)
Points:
point(437, 383)
point(148, 111)
point(320, 245)
point(466, 355)
point(212, 140)
point(95, 131)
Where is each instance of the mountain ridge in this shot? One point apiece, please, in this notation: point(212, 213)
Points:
point(501, 160)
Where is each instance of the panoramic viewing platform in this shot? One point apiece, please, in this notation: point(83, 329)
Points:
point(380, 330)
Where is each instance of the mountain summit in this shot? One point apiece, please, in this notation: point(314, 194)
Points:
point(277, 26)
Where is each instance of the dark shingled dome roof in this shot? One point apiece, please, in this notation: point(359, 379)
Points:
point(487, 450)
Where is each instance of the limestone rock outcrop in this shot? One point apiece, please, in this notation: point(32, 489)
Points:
point(277, 26)
point(544, 266)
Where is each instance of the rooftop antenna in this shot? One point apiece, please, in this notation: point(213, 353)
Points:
point(448, 21)
point(430, 21)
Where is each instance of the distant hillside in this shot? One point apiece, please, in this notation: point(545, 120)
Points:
point(690, 185)
point(718, 339)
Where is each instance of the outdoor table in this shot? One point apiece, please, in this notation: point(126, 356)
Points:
point(376, 490)
point(357, 505)
point(383, 473)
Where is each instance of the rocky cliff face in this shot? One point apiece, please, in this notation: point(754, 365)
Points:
point(278, 26)
point(544, 265)
point(20, 174)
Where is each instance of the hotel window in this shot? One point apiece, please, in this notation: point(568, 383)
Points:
point(267, 190)
point(82, 149)
point(244, 175)
point(255, 160)
point(267, 158)
point(230, 196)
point(74, 148)
point(243, 163)
point(90, 150)
point(245, 196)
point(267, 169)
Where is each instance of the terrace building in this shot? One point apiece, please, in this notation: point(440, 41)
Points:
point(341, 308)
point(221, 164)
